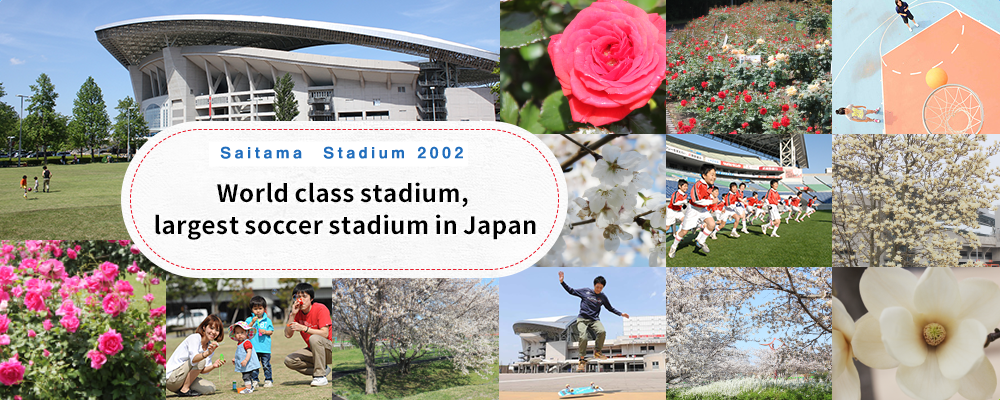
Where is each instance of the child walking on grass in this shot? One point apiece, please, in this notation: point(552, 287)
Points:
point(261, 341)
point(246, 359)
point(24, 185)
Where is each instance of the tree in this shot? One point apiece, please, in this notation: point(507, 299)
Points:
point(906, 200)
point(182, 288)
point(240, 297)
point(90, 117)
point(131, 129)
point(286, 107)
point(8, 120)
point(42, 106)
point(711, 309)
point(215, 286)
point(459, 315)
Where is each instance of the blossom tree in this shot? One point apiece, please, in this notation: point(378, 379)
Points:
point(411, 317)
point(617, 207)
point(711, 309)
point(904, 200)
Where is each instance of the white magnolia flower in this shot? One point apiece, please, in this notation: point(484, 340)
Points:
point(933, 328)
point(605, 202)
point(616, 167)
point(613, 236)
point(846, 384)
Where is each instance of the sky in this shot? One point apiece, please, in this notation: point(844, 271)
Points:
point(536, 293)
point(818, 147)
point(57, 37)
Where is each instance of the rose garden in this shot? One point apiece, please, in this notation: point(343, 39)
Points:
point(756, 68)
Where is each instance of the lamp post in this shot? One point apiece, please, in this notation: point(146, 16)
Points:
point(10, 143)
point(20, 130)
point(433, 105)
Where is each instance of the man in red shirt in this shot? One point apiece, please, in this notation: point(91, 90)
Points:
point(796, 201)
point(312, 321)
point(697, 212)
point(675, 209)
point(774, 203)
point(809, 207)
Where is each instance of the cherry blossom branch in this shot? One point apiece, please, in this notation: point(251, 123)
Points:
point(592, 220)
point(587, 150)
point(992, 337)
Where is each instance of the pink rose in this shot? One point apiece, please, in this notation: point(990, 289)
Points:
point(154, 281)
point(113, 304)
point(35, 302)
point(97, 359)
point(109, 271)
point(4, 323)
point(149, 297)
point(140, 276)
point(158, 311)
point(133, 268)
point(123, 287)
point(71, 254)
point(160, 360)
point(70, 322)
point(11, 372)
point(47, 324)
point(159, 334)
point(45, 353)
point(7, 275)
point(16, 291)
point(67, 308)
point(124, 243)
point(4, 340)
point(609, 60)
point(110, 342)
point(31, 333)
point(134, 250)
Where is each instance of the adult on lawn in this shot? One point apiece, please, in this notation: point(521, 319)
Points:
point(46, 175)
point(194, 357)
point(312, 321)
point(589, 318)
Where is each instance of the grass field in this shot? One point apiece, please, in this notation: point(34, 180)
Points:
point(802, 244)
point(429, 381)
point(84, 202)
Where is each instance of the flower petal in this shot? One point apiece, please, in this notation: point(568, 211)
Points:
point(937, 295)
point(980, 300)
point(925, 381)
point(867, 344)
point(842, 321)
point(962, 349)
point(882, 288)
point(980, 383)
point(901, 337)
point(846, 384)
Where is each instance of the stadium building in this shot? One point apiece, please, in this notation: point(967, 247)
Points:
point(223, 68)
point(779, 157)
point(550, 345)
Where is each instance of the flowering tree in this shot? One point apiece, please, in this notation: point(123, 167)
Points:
point(572, 66)
point(81, 335)
point(904, 200)
point(613, 201)
point(711, 309)
point(413, 316)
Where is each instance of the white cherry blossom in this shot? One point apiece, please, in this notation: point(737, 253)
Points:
point(616, 167)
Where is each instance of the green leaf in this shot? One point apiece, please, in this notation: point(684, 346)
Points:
point(520, 28)
point(532, 51)
point(508, 108)
point(555, 112)
point(641, 124)
point(645, 5)
point(529, 119)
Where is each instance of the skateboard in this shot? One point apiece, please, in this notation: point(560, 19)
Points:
point(568, 391)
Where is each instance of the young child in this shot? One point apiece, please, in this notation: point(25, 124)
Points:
point(36, 184)
point(774, 204)
point(903, 10)
point(717, 210)
point(675, 210)
point(262, 341)
point(809, 207)
point(24, 185)
point(697, 212)
point(742, 207)
point(733, 204)
point(246, 359)
point(589, 318)
point(796, 206)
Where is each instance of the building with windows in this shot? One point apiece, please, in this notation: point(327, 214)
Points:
point(224, 67)
point(550, 345)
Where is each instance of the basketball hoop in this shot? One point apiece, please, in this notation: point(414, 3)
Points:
point(953, 109)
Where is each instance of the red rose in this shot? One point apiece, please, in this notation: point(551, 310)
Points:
point(710, 59)
point(763, 111)
point(708, 109)
point(775, 124)
point(691, 121)
point(785, 121)
point(684, 103)
point(772, 84)
point(704, 85)
point(784, 107)
point(721, 108)
point(809, 129)
point(745, 125)
point(747, 98)
point(609, 60)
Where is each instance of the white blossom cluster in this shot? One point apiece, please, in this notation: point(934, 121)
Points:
point(733, 387)
point(901, 200)
point(710, 309)
point(606, 196)
point(410, 318)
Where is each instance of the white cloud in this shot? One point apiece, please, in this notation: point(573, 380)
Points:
point(652, 295)
point(15, 61)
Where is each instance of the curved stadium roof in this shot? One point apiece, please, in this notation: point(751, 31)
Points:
point(133, 40)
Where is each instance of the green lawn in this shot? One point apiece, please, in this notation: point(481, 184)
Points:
point(84, 202)
point(802, 244)
point(433, 380)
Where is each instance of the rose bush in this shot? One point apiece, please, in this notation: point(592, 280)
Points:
point(574, 66)
point(108, 342)
point(756, 54)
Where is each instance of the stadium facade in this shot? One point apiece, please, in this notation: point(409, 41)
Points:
point(550, 345)
point(224, 67)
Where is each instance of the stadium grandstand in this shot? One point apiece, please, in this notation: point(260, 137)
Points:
point(550, 345)
point(684, 159)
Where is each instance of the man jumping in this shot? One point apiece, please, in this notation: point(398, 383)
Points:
point(589, 318)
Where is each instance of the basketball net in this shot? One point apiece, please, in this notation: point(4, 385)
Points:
point(953, 109)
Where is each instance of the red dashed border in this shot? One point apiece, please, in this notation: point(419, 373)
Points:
point(555, 179)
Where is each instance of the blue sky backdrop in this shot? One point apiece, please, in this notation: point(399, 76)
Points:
point(536, 293)
point(57, 37)
point(817, 146)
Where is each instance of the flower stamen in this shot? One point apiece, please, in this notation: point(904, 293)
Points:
point(934, 334)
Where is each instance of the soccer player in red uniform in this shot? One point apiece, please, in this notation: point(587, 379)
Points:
point(796, 202)
point(809, 207)
point(697, 211)
point(741, 207)
point(675, 210)
point(773, 203)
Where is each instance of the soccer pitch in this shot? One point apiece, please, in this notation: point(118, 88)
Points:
point(802, 244)
point(84, 203)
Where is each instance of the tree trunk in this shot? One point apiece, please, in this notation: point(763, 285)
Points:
point(371, 380)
